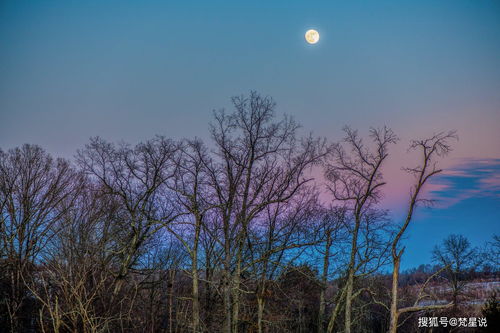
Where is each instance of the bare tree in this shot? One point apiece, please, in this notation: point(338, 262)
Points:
point(75, 274)
point(190, 185)
point(258, 162)
point(136, 179)
point(331, 231)
point(458, 257)
point(493, 252)
point(276, 241)
point(355, 178)
point(435, 147)
point(32, 187)
point(372, 252)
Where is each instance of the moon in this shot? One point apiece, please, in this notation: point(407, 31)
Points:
point(312, 36)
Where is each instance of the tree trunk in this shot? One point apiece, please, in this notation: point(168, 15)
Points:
point(324, 280)
point(236, 295)
point(171, 301)
point(260, 313)
point(227, 306)
point(208, 292)
point(394, 295)
point(336, 311)
point(348, 300)
point(321, 313)
point(227, 289)
point(196, 299)
point(350, 277)
point(194, 274)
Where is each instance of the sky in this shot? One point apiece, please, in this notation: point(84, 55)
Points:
point(127, 70)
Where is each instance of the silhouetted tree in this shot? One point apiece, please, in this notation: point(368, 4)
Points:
point(33, 186)
point(435, 147)
point(258, 162)
point(135, 178)
point(458, 257)
point(354, 172)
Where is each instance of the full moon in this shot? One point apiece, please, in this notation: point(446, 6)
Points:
point(312, 36)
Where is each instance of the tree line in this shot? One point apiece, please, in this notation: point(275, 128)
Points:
point(226, 236)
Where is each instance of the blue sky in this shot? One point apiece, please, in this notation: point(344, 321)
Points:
point(467, 202)
point(127, 70)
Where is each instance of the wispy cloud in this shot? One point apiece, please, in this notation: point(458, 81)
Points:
point(469, 178)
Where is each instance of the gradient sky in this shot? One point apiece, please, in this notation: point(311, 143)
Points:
point(132, 69)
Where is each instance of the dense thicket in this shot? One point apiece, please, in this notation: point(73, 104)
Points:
point(230, 235)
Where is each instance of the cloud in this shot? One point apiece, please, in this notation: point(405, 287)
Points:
point(469, 178)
